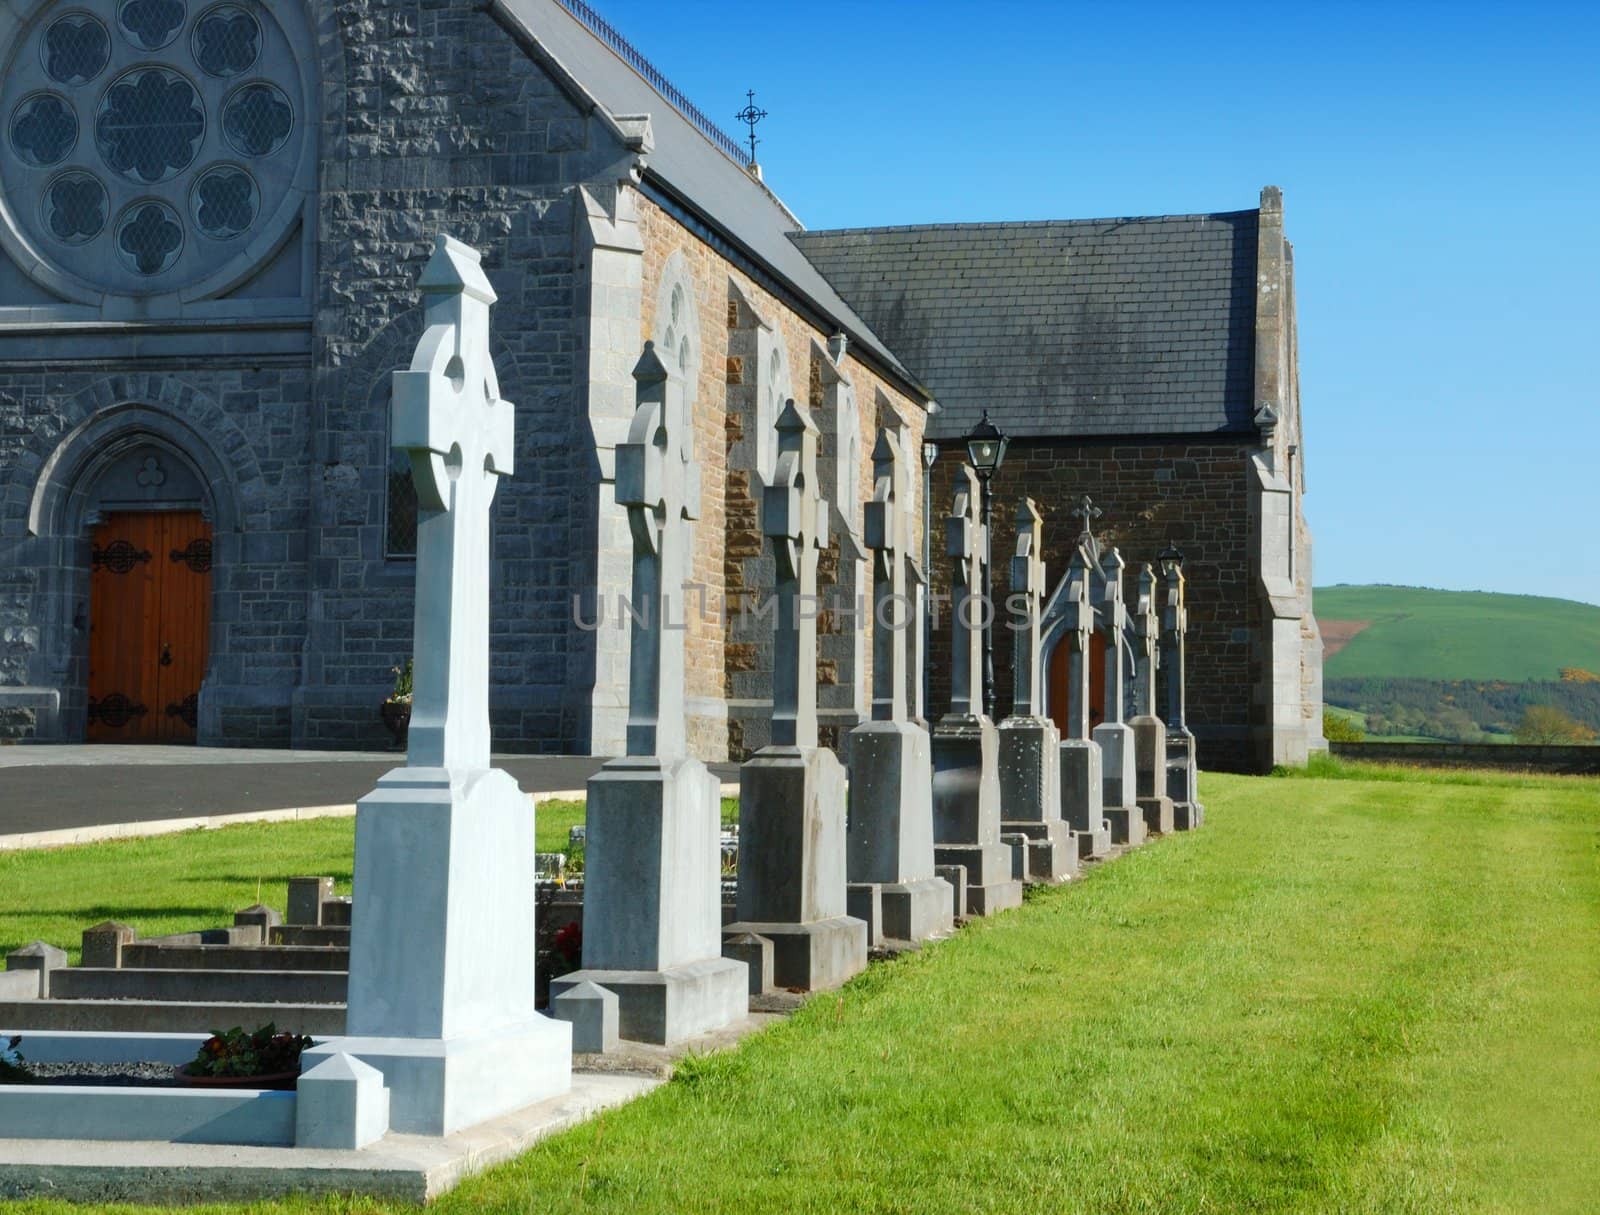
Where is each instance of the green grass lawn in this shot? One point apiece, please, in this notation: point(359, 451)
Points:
point(1361, 991)
point(1474, 635)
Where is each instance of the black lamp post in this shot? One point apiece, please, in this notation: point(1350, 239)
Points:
point(1171, 560)
point(986, 450)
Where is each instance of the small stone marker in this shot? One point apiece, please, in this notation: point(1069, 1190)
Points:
point(340, 1104)
point(1030, 775)
point(102, 944)
point(442, 946)
point(792, 794)
point(1149, 731)
point(1182, 773)
point(592, 1011)
point(40, 958)
point(1082, 785)
point(306, 897)
point(756, 953)
point(1113, 734)
point(652, 912)
point(966, 745)
point(260, 917)
point(891, 766)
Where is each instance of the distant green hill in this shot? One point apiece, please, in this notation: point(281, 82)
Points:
point(1474, 635)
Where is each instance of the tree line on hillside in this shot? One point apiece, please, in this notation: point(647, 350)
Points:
point(1466, 710)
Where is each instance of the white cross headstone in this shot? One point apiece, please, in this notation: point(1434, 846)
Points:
point(964, 545)
point(1115, 619)
point(795, 518)
point(447, 416)
point(1027, 598)
point(889, 536)
point(1147, 629)
point(1080, 639)
point(658, 480)
point(442, 941)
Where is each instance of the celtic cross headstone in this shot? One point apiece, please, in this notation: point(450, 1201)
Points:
point(891, 869)
point(447, 842)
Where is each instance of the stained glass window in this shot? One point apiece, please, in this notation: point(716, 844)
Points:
point(150, 124)
point(75, 207)
point(149, 237)
point(257, 119)
point(44, 129)
point(150, 140)
point(225, 202)
point(76, 48)
point(150, 24)
point(227, 40)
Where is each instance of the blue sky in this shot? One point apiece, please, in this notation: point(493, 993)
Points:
point(1441, 172)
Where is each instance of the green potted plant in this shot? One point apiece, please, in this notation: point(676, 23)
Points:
point(236, 1059)
point(396, 710)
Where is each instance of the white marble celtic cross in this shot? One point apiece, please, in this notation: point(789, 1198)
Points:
point(1027, 599)
point(1174, 624)
point(447, 416)
point(1115, 616)
point(658, 480)
point(888, 534)
point(1080, 637)
point(794, 517)
point(1147, 628)
point(963, 543)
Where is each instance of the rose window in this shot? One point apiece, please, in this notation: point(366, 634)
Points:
point(153, 146)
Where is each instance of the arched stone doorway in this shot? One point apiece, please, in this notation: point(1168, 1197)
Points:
point(132, 512)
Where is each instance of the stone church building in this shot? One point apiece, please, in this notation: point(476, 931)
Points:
point(212, 219)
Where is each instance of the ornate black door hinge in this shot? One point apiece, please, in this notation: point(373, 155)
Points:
point(115, 710)
point(197, 556)
point(119, 557)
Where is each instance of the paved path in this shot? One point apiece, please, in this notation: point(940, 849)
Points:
point(110, 790)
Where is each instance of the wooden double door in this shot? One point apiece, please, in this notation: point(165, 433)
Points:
point(1060, 685)
point(149, 623)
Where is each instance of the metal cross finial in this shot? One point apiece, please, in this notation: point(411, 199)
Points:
point(1088, 512)
point(751, 115)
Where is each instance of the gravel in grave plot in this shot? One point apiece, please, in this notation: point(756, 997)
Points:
point(120, 1075)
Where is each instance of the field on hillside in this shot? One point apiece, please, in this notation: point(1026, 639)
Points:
point(1457, 635)
point(1363, 994)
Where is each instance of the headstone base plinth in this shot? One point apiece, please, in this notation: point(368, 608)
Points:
point(990, 886)
point(1052, 850)
point(652, 925)
point(1127, 825)
point(915, 911)
point(864, 901)
point(1182, 780)
point(792, 867)
point(441, 952)
point(813, 956)
point(666, 1006)
point(1082, 797)
point(440, 1086)
point(1158, 815)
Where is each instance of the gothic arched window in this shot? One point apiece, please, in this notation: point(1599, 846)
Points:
point(153, 147)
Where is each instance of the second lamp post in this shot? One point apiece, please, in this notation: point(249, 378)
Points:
point(986, 450)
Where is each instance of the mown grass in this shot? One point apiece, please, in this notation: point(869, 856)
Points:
point(1342, 995)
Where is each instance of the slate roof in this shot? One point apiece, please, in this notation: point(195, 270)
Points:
point(1072, 328)
point(695, 168)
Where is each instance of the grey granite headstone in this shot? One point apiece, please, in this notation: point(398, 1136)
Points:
point(792, 850)
point(891, 767)
point(1182, 772)
point(1030, 777)
point(442, 945)
point(1082, 787)
point(1114, 734)
point(652, 913)
point(1149, 731)
point(966, 745)
point(103, 944)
